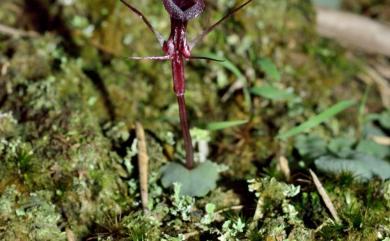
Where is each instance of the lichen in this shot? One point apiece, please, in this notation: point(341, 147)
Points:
point(31, 217)
point(69, 100)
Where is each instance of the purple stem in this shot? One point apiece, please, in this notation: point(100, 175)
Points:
point(178, 39)
point(186, 132)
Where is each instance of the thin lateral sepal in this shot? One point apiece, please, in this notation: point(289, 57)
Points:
point(205, 58)
point(166, 57)
point(201, 36)
point(158, 35)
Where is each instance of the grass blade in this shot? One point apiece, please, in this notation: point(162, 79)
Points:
point(272, 93)
point(225, 124)
point(227, 64)
point(270, 70)
point(318, 119)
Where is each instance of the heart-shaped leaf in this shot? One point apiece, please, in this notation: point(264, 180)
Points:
point(196, 182)
point(310, 146)
point(361, 165)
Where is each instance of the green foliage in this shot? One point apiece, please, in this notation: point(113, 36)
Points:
point(7, 125)
point(231, 230)
point(31, 217)
point(140, 227)
point(182, 203)
point(341, 146)
point(69, 102)
point(384, 119)
point(210, 214)
point(310, 146)
point(372, 148)
point(230, 66)
point(275, 214)
point(360, 165)
point(196, 182)
point(318, 119)
point(214, 126)
point(270, 69)
point(272, 93)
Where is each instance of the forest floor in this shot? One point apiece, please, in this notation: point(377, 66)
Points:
point(70, 101)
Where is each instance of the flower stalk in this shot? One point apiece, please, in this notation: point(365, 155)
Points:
point(177, 50)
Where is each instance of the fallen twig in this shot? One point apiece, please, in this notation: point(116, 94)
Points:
point(383, 70)
point(233, 208)
point(7, 30)
point(284, 167)
point(70, 235)
point(381, 140)
point(382, 85)
point(321, 190)
point(354, 30)
point(143, 161)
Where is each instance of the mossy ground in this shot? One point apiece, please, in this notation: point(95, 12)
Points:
point(69, 100)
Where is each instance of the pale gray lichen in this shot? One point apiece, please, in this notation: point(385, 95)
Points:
point(31, 217)
point(182, 204)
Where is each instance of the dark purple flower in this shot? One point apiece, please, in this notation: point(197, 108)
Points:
point(184, 9)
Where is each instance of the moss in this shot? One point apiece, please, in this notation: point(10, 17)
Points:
point(67, 116)
point(30, 217)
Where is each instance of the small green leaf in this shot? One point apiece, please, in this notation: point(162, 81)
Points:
point(372, 148)
point(310, 146)
point(270, 69)
point(370, 129)
point(210, 207)
point(384, 119)
point(318, 119)
point(229, 65)
point(196, 182)
point(341, 146)
point(361, 165)
point(225, 124)
point(272, 93)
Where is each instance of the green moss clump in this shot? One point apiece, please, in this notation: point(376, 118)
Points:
point(31, 217)
point(69, 100)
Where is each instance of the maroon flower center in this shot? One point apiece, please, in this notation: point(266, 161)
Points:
point(184, 4)
point(184, 9)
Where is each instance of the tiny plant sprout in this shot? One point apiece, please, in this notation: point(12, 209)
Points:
point(177, 50)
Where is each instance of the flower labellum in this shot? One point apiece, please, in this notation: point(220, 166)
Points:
point(184, 10)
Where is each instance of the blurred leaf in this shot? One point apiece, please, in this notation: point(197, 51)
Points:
point(384, 119)
point(271, 93)
point(318, 119)
point(270, 69)
point(341, 146)
point(372, 148)
point(213, 126)
point(229, 65)
point(336, 4)
point(361, 165)
point(196, 182)
point(310, 146)
point(369, 129)
point(236, 71)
